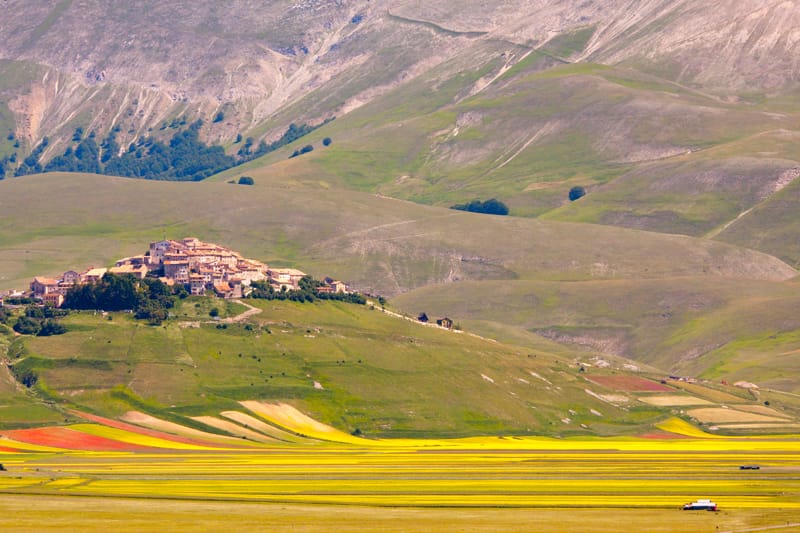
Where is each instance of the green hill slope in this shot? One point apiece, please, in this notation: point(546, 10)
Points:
point(353, 367)
point(674, 302)
point(652, 154)
point(347, 365)
point(713, 328)
point(379, 244)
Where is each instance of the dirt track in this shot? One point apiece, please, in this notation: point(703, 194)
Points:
point(244, 316)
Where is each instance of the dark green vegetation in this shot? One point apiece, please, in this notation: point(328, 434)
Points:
point(576, 193)
point(40, 321)
point(148, 299)
point(489, 207)
point(308, 292)
point(184, 158)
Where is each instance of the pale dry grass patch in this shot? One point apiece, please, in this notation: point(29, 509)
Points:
point(762, 410)
point(721, 415)
point(673, 400)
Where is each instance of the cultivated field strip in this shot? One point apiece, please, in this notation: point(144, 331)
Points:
point(653, 476)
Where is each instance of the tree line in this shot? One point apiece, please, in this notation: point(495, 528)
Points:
point(184, 157)
point(308, 291)
point(36, 320)
point(149, 299)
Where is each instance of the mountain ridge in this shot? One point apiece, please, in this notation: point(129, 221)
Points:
point(200, 59)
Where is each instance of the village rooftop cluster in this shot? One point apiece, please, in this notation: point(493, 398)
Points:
point(199, 266)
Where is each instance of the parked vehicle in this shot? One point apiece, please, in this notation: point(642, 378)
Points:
point(700, 505)
point(749, 467)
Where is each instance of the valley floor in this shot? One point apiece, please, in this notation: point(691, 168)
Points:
point(493, 483)
point(36, 513)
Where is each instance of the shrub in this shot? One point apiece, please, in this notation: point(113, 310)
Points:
point(51, 327)
point(246, 180)
point(576, 193)
point(489, 207)
point(327, 141)
point(27, 326)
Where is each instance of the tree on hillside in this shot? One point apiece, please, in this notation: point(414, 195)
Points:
point(576, 193)
point(489, 207)
point(27, 326)
point(148, 298)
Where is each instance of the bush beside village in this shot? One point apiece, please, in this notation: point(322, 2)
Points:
point(149, 299)
point(308, 291)
point(36, 320)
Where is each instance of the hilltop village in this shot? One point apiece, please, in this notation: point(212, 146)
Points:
point(201, 267)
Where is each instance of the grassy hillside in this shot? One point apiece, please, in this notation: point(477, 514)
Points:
point(652, 154)
point(348, 365)
point(441, 106)
point(718, 329)
point(381, 245)
point(699, 193)
point(19, 407)
point(672, 302)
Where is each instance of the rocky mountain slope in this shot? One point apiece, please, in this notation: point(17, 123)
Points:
point(136, 66)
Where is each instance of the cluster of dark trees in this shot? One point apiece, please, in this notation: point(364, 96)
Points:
point(40, 321)
point(183, 158)
point(304, 150)
point(292, 133)
point(149, 299)
point(310, 148)
point(489, 207)
point(307, 292)
point(30, 165)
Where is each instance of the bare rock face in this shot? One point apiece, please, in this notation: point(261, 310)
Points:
point(724, 45)
point(135, 64)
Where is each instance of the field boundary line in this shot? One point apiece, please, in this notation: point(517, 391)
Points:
point(764, 528)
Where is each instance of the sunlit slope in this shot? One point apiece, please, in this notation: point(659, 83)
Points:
point(351, 367)
point(699, 193)
point(527, 130)
point(18, 408)
point(771, 226)
point(378, 244)
point(719, 329)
